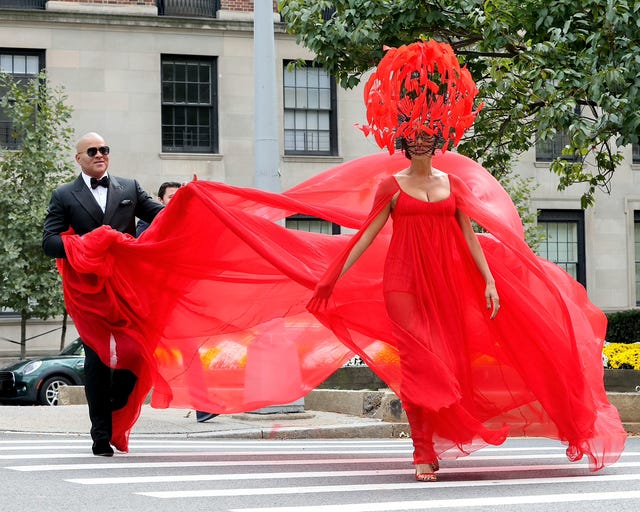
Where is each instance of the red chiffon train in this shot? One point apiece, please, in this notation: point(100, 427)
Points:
point(208, 308)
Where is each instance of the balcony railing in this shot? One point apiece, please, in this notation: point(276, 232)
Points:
point(189, 8)
point(22, 4)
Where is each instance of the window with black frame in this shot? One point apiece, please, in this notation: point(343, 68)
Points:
point(189, 104)
point(22, 65)
point(23, 4)
point(552, 149)
point(563, 244)
point(301, 222)
point(635, 153)
point(310, 126)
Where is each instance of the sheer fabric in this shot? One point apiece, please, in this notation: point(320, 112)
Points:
point(208, 308)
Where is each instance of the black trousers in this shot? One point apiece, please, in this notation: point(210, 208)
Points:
point(106, 390)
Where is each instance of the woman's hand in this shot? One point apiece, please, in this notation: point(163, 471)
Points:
point(321, 296)
point(493, 301)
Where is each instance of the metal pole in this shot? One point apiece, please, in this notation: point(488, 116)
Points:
point(266, 146)
point(266, 143)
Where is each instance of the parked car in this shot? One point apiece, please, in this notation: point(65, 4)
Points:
point(37, 380)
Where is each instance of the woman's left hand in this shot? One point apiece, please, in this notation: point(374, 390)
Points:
point(493, 301)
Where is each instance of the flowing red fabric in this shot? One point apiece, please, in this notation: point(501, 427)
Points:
point(208, 308)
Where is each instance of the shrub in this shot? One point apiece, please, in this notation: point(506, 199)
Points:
point(624, 326)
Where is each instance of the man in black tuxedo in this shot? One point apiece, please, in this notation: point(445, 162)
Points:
point(94, 199)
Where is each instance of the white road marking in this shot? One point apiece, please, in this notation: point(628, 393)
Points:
point(207, 493)
point(109, 464)
point(461, 502)
point(344, 474)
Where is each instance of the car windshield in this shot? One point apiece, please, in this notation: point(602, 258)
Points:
point(74, 348)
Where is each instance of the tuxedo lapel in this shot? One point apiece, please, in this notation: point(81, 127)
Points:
point(113, 199)
point(85, 198)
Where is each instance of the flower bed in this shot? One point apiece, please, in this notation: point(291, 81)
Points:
point(621, 355)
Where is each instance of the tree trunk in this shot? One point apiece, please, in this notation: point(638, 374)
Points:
point(63, 332)
point(23, 335)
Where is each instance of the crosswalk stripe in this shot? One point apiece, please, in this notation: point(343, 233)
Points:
point(209, 493)
point(332, 474)
point(193, 439)
point(188, 443)
point(287, 451)
point(236, 477)
point(109, 464)
point(449, 503)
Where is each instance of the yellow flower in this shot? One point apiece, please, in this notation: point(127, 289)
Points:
point(625, 355)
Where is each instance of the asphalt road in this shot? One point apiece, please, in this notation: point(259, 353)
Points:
point(54, 473)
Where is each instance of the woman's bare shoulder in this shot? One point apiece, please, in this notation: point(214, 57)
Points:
point(439, 174)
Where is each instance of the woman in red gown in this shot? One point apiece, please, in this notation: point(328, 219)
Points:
point(463, 375)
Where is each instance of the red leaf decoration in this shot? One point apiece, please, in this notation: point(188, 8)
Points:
point(419, 87)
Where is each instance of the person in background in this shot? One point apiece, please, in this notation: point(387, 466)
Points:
point(94, 199)
point(165, 193)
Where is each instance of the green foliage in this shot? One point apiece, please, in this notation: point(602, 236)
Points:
point(30, 284)
point(542, 67)
point(623, 326)
point(519, 190)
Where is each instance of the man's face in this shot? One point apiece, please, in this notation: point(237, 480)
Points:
point(169, 192)
point(94, 166)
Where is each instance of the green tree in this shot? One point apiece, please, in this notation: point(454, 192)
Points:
point(30, 284)
point(542, 67)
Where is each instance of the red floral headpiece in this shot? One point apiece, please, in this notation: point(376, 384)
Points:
point(419, 87)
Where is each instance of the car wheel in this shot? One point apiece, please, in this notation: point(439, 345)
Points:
point(48, 394)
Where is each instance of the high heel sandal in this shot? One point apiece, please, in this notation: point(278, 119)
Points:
point(428, 476)
point(574, 454)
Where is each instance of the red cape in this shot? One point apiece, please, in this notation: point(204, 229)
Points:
point(208, 307)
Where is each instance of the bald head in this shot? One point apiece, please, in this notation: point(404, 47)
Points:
point(88, 139)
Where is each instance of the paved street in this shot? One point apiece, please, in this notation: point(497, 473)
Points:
point(49, 472)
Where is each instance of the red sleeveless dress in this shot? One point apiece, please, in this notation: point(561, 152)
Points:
point(431, 284)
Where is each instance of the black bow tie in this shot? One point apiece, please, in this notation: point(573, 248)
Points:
point(102, 182)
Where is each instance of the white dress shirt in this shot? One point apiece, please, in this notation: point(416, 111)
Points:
point(100, 193)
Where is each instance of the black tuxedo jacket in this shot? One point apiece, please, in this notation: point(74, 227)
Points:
point(73, 205)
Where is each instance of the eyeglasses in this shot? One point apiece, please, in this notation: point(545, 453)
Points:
point(93, 151)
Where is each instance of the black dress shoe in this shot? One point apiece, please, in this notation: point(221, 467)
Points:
point(202, 416)
point(102, 448)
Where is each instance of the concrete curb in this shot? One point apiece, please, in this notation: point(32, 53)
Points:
point(385, 405)
point(381, 430)
point(375, 414)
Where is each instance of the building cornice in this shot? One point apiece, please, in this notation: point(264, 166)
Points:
point(117, 19)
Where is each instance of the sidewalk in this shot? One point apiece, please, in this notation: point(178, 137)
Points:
point(327, 414)
point(74, 419)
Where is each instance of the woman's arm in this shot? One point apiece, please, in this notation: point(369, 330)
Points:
point(490, 293)
point(325, 288)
